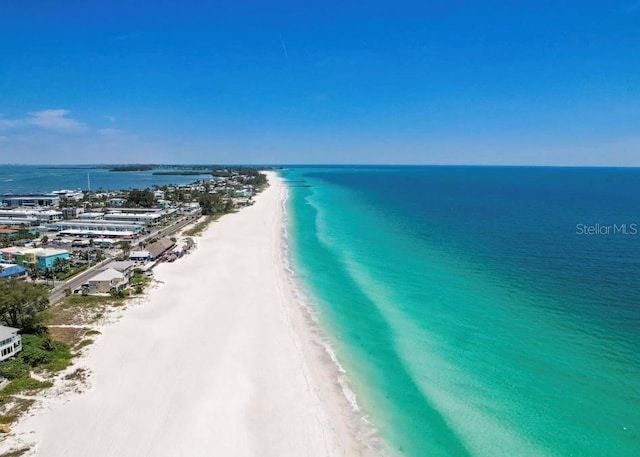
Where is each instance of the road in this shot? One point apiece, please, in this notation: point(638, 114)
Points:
point(167, 231)
point(57, 293)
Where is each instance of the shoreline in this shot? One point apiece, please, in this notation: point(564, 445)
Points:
point(252, 379)
point(329, 368)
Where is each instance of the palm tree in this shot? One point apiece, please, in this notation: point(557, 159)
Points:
point(33, 271)
point(50, 275)
point(126, 248)
point(57, 265)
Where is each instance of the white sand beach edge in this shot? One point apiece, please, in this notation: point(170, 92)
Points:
point(220, 361)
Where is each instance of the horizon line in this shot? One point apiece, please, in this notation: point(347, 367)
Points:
point(362, 164)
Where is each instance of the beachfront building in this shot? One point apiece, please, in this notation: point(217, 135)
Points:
point(11, 270)
point(140, 256)
point(160, 247)
point(107, 281)
point(10, 342)
point(29, 200)
point(244, 192)
point(125, 267)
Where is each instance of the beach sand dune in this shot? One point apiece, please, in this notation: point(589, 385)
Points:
point(217, 362)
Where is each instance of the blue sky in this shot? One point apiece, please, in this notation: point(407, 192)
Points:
point(296, 82)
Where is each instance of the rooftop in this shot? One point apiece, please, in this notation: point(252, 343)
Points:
point(7, 332)
point(139, 254)
point(107, 274)
point(160, 247)
point(121, 265)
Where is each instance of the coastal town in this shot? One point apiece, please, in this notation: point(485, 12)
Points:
point(58, 236)
point(69, 254)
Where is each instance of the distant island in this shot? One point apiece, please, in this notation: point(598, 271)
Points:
point(132, 168)
point(181, 173)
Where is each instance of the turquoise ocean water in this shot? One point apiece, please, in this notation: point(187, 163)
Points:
point(471, 311)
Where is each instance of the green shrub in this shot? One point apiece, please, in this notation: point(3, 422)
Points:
point(25, 383)
point(14, 369)
point(119, 293)
point(34, 355)
point(38, 351)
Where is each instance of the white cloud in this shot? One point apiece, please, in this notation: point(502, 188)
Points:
point(111, 119)
point(8, 124)
point(55, 119)
point(3, 138)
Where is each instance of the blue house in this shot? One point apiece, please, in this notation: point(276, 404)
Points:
point(8, 270)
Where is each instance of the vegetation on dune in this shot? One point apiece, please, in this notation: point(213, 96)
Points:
point(38, 352)
point(200, 226)
point(22, 305)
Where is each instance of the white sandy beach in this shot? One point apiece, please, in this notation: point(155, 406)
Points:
point(218, 362)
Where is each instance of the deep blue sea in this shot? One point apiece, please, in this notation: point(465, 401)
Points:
point(34, 179)
point(479, 311)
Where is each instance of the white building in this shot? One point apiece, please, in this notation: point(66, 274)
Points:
point(91, 215)
point(70, 212)
point(49, 215)
point(31, 201)
point(106, 281)
point(10, 342)
point(31, 221)
point(95, 227)
point(148, 219)
point(140, 256)
point(75, 195)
